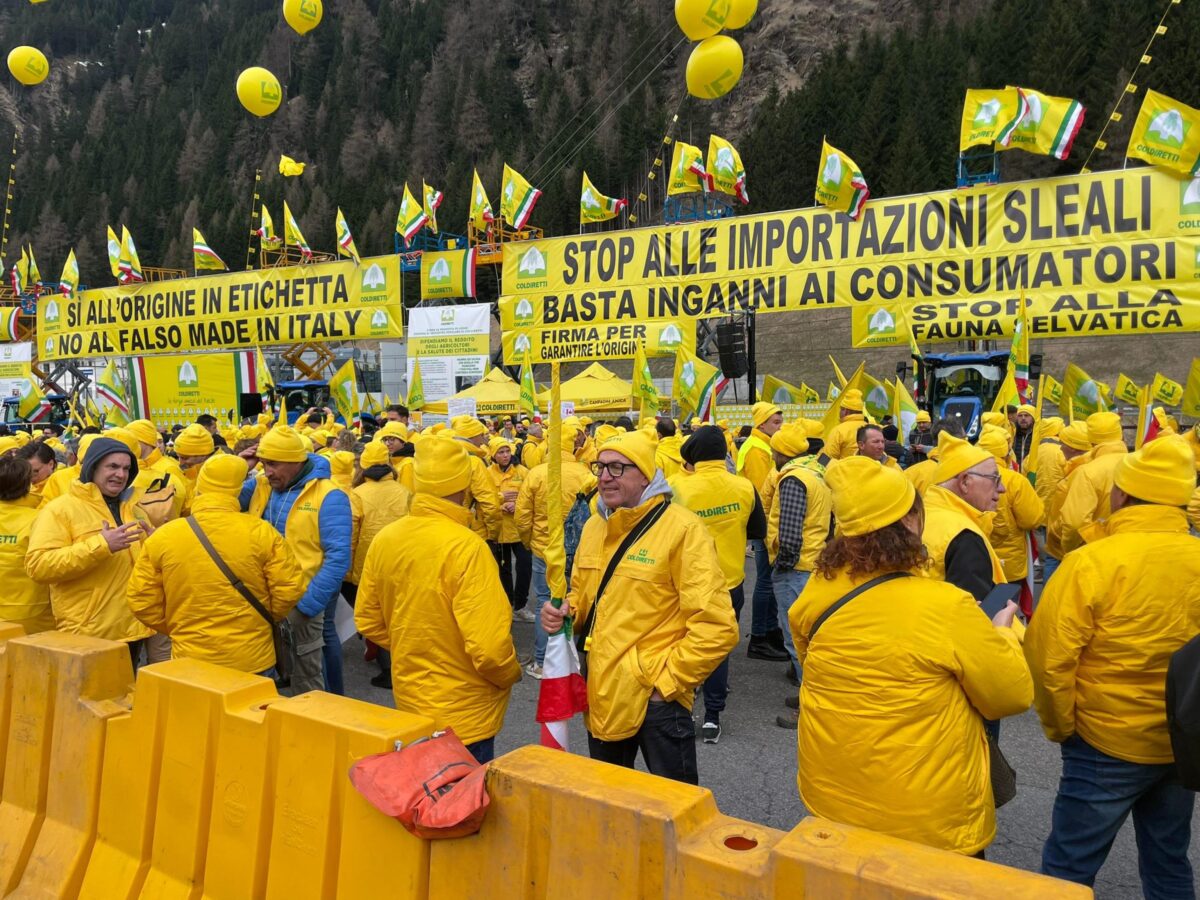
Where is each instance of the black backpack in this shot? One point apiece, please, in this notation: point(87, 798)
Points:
point(1183, 712)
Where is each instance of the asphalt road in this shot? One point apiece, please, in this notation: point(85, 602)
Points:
point(752, 770)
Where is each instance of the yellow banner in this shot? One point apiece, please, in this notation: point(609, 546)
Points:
point(335, 301)
point(605, 340)
point(173, 390)
point(1124, 240)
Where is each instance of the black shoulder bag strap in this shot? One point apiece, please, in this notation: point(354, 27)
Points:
point(228, 572)
point(861, 589)
point(635, 534)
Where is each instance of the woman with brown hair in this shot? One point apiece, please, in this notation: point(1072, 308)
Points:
point(898, 675)
point(23, 601)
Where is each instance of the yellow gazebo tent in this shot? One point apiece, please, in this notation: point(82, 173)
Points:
point(495, 395)
point(595, 389)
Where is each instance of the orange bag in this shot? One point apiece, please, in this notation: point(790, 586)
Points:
point(434, 786)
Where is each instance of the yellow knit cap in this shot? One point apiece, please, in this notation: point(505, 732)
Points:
point(144, 431)
point(392, 429)
point(761, 411)
point(441, 467)
point(567, 438)
point(21, 437)
point(307, 443)
point(222, 474)
point(1104, 427)
point(1052, 426)
point(282, 444)
point(867, 496)
point(341, 468)
point(994, 418)
point(852, 400)
point(995, 441)
point(1075, 436)
point(955, 456)
point(375, 454)
point(8, 443)
point(923, 416)
point(604, 433)
point(320, 437)
point(253, 432)
point(125, 436)
point(636, 447)
point(790, 440)
point(1027, 408)
point(86, 441)
point(469, 427)
point(194, 441)
point(1162, 471)
point(812, 428)
point(266, 420)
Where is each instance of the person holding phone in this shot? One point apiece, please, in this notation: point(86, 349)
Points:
point(898, 676)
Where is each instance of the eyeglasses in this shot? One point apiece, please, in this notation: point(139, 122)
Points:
point(614, 469)
point(995, 479)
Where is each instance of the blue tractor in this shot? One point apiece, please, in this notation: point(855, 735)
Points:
point(963, 385)
point(60, 414)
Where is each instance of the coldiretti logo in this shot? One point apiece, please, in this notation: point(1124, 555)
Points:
point(1189, 197)
point(307, 506)
point(523, 314)
point(1168, 128)
point(531, 270)
point(642, 557)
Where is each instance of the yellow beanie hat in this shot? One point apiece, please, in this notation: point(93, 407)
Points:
point(923, 416)
point(320, 437)
point(1104, 427)
point(21, 437)
point(1052, 426)
point(194, 441)
point(852, 400)
point(282, 444)
point(253, 432)
point(375, 454)
point(222, 474)
point(790, 440)
point(144, 431)
point(761, 411)
point(392, 429)
point(8, 443)
point(995, 441)
point(867, 496)
point(567, 440)
point(955, 456)
point(341, 468)
point(441, 467)
point(994, 418)
point(812, 428)
point(1027, 408)
point(266, 419)
point(636, 447)
point(604, 433)
point(307, 443)
point(125, 436)
point(1075, 436)
point(469, 427)
point(1162, 471)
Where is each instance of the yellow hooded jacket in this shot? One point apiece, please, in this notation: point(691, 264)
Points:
point(666, 455)
point(87, 580)
point(1018, 512)
point(664, 622)
point(506, 480)
point(383, 502)
point(1105, 629)
point(1087, 499)
point(485, 518)
point(921, 474)
point(755, 460)
point(843, 439)
point(1193, 511)
point(59, 482)
point(531, 517)
point(946, 516)
point(896, 685)
point(1053, 515)
point(23, 601)
point(724, 503)
point(449, 630)
point(176, 589)
point(1051, 464)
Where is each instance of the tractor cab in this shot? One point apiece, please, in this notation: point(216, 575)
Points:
point(59, 413)
point(961, 385)
point(301, 396)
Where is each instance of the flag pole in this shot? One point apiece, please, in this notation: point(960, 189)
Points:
point(8, 197)
point(254, 207)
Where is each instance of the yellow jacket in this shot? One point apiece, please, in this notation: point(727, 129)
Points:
point(667, 457)
point(724, 503)
point(1087, 499)
point(1193, 510)
point(818, 515)
point(921, 474)
point(176, 588)
point(1105, 629)
point(533, 524)
point(896, 686)
point(59, 482)
point(505, 480)
point(382, 503)
point(533, 452)
point(23, 601)
point(1193, 441)
point(664, 622)
point(483, 501)
point(87, 580)
point(767, 493)
point(403, 467)
point(1051, 464)
point(1018, 513)
point(755, 459)
point(449, 629)
point(843, 439)
point(586, 455)
point(946, 516)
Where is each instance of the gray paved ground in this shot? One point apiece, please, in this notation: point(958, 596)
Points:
point(752, 771)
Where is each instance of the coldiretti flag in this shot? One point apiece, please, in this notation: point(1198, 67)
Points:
point(1018, 352)
point(833, 415)
point(110, 395)
point(345, 240)
point(34, 279)
point(411, 218)
point(343, 390)
point(991, 117)
point(130, 266)
point(289, 168)
point(688, 174)
point(266, 226)
point(1049, 125)
point(1085, 393)
point(18, 277)
point(595, 206)
point(645, 394)
point(262, 372)
point(725, 171)
point(904, 410)
point(1191, 392)
point(1167, 134)
point(840, 184)
point(203, 256)
point(114, 253)
point(1126, 390)
point(481, 215)
point(431, 199)
point(416, 389)
point(776, 390)
point(10, 324)
point(1053, 390)
point(68, 281)
point(1008, 395)
point(1164, 390)
point(517, 198)
point(33, 405)
point(448, 273)
point(832, 392)
point(292, 236)
point(696, 384)
point(528, 398)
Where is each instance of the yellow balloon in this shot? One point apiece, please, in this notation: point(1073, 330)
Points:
point(700, 19)
point(714, 67)
point(303, 15)
point(259, 91)
point(740, 14)
point(28, 65)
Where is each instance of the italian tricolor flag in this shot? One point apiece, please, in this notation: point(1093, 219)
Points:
point(563, 691)
point(11, 332)
point(139, 399)
point(247, 372)
point(1067, 130)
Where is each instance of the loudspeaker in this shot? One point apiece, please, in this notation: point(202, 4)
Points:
point(1035, 366)
point(731, 346)
point(249, 405)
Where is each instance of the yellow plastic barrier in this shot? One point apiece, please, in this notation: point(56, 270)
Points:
point(208, 784)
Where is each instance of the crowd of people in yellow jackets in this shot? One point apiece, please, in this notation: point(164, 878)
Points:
point(873, 554)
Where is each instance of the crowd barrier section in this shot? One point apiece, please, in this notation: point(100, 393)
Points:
point(205, 783)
